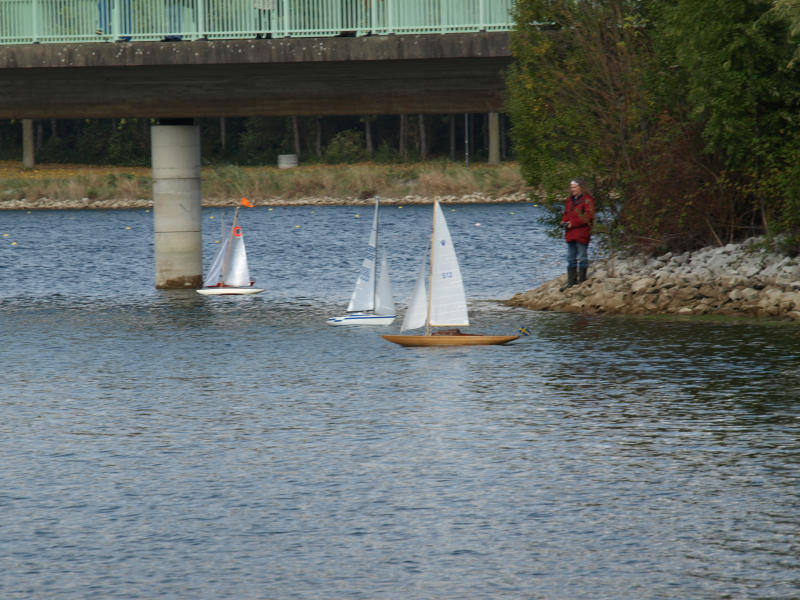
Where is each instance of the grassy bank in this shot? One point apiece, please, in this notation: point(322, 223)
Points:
point(266, 184)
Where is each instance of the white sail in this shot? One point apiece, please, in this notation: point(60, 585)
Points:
point(236, 272)
point(214, 275)
point(417, 311)
point(448, 302)
point(384, 301)
point(446, 305)
point(363, 298)
point(229, 273)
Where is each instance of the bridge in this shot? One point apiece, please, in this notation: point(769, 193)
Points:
point(175, 60)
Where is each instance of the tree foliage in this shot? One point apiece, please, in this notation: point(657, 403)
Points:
point(253, 140)
point(682, 112)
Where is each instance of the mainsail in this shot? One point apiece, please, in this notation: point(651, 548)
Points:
point(448, 302)
point(363, 298)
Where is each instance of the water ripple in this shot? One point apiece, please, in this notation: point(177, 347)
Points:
point(164, 444)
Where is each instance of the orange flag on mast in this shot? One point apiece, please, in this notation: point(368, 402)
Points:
point(247, 202)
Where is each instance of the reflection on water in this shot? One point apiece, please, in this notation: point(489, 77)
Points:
point(165, 444)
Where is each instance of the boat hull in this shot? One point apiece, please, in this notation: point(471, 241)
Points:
point(462, 339)
point(229, 291)
point(362, 319)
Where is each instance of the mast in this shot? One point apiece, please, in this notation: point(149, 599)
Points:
point(430, 270)
point(375, 260)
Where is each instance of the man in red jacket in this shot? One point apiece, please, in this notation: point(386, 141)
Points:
point(577, 222)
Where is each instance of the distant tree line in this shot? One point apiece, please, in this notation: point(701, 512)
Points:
point(259, 140)
point(683, 115)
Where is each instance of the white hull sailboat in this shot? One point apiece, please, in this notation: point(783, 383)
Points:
point(229, 274)
point(446, 305)
point(371, 302)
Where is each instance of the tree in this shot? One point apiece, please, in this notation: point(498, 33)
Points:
point(575, 92)
point(683, 112)
point(733, 62)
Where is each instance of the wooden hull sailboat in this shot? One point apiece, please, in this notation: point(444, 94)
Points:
point(446, 303)
point(451, 339)
point(371, 302)
point(229, 274)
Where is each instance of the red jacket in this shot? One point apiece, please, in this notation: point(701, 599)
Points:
point(579, 213)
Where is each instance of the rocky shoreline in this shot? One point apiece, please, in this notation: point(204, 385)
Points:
point(734, 280)
point(94, 204)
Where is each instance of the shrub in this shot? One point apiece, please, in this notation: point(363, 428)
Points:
point(345, 147)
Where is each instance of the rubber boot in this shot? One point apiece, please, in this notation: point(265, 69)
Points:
point(572, 277)
point(581, 274)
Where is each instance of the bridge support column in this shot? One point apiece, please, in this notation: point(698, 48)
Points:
point(177, 205)
point(494, 138)
point(28, 152)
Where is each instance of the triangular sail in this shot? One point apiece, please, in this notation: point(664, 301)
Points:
point(384, 301)
point(363, 298)
point(418, 305)
point(236, 272)
point(214, 275)
point(448, 303)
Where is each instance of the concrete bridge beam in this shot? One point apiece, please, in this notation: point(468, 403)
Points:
point(403, 74)
point(177, 205)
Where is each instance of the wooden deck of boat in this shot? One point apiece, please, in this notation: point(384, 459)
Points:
point(450, 340)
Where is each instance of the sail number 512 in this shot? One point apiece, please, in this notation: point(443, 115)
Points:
point(447, 275)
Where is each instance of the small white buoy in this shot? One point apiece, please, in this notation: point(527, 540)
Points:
point(477, 224)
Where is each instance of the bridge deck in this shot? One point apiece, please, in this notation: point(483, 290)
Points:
point(458, 72)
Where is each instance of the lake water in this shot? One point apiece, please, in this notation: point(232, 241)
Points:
point(160, 444)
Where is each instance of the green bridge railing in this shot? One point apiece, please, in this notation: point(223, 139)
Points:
point(71, 21)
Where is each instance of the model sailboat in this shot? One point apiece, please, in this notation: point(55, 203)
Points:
point(446, 305)
point(371, 302)
point(229, 273)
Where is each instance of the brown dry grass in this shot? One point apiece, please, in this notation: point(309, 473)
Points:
point(442, 178)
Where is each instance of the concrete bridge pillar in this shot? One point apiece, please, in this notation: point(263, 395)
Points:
point(177, 204)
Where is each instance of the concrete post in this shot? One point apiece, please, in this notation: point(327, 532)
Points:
point(177, 206)
point(494, 138)
point(28, 151)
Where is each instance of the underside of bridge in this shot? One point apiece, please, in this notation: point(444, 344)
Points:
point(178, 81)
point(410, 74)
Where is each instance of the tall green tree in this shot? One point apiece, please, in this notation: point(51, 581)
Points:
point(684, 112)
point(575, 92)
point(733, 61)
